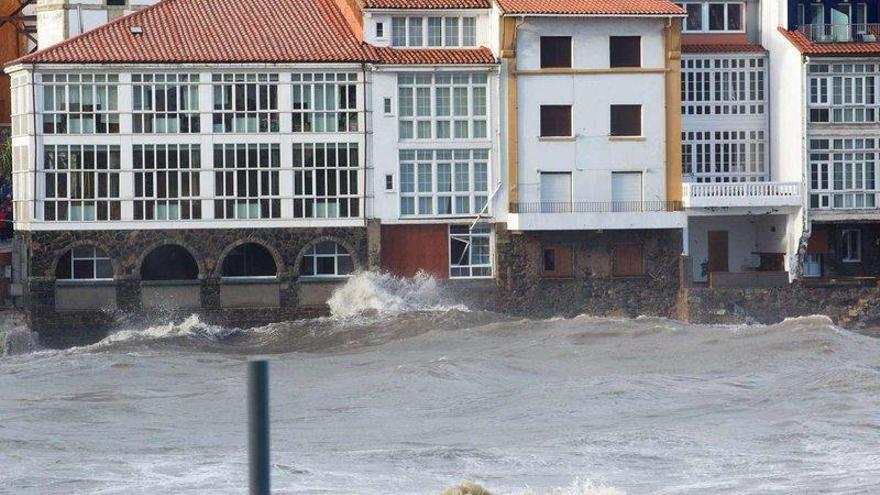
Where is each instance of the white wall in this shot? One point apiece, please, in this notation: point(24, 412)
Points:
point(746, 234)
point(592, 155)
point(58, 20)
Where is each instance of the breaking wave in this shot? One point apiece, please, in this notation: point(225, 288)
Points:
point(372, 293)
point(191, 327)
point(577, 487)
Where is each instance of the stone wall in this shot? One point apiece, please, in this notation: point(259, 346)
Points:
point(592, 288)
point(127, 250)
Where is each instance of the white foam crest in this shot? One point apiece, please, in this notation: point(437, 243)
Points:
point(385, 294)
point(192, 326)
point(579, 487)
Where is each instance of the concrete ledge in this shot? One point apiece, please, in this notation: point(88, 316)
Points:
point(82, 297)
point(253, 294)
point(317, 293)
point(744, 280)
point(168, 296)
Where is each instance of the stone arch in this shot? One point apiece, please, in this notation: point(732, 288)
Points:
point(61, 253)
point(200, 262)
point(169, 261)
point(280, 267)
point(358, 266)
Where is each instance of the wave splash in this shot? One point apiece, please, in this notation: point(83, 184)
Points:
point(373, 293)
point(191, 327)
point(577, 487)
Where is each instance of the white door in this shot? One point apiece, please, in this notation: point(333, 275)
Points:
point(626, 191)
point(555, 192)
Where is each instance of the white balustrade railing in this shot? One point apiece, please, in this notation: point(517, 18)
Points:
point(741, 193)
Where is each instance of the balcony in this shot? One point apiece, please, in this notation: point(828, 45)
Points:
point(841, 33)
point(596, 215)
point(742, 195)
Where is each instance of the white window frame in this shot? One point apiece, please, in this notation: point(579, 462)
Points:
point(425, 193)
point(77, 180)
point(165, 103)
point(250, 205)
point(726, 85)
point(308, 201)
point(233, 113)
point(94, 258)
point(321, 100)
point(419, 98)
point(58, 91)
point(743, 153)
point(705, 17)
point(182, 169)
point(414, 31)
point(470, 268)
point(851, 238)
point(843, 173)
point(843, 93)
point(312, 255)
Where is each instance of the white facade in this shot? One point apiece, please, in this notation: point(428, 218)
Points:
point(306, 182)
point(591, 155)
point(58, 20)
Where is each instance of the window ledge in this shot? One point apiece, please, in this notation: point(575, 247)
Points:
point(86, 283)
point(562, 139)
point(169, 283)
point(306, 279)
point(627, 138)
point(249, 280)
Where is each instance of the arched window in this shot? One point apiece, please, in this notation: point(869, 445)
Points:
point(169, 262)
point(249, 260)
point(84, 263)
point(326, 259)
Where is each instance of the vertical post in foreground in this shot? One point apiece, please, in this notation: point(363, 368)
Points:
point(258, 426)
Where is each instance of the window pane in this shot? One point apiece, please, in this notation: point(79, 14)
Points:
point(694, 17)
point(716, 16)
point(555, 51)
point(626, 120)
point(555, 120)
point(626, 51)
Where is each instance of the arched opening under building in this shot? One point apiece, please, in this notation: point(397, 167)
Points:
point(169, 262)
point(249, 260)
point(326, 259)
point(84, 263)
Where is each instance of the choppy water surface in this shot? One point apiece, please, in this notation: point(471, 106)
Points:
point(418, 395)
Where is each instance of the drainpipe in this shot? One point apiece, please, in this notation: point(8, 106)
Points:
point(34, 117)
point(795, 271)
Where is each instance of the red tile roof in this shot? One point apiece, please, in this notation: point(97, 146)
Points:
point(723, 48)
point(590, 7)
point(464, 56)
point(426, 4)
point(807, 47)
point(216, 31)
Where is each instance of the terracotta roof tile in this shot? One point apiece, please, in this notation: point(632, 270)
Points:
point(217, 31)
point(591, 7)
point(723, 48)
point(435, 56)
point(807, 47)
point(426, 4)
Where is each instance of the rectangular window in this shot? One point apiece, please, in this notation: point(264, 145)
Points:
point(324, 102)
point(80, 104)
point(166, 181)
point(555, 51)
point(443, 182)
point(714, 17)
point(626, 120)
point(85, 263)
point(843, 173)
point(625, 51)
point(386, 104)
point(843, 93)
point(326, 180)
point(557, 262)
point(380, 30)
point(851, 246)
point(434, 31)
point(21, 96)
point(627, 260)
point(443, 105)
point(81, 183)
point(245, 102)
point(246, 181)
point(725, 156)
point(556, 121)
point(165, 103)
point(470, 251)
point(389, 182)
point(731, 85)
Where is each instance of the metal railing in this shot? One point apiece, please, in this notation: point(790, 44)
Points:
point(841, 33)
point(596, 207)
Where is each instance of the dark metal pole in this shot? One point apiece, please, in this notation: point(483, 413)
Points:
point(258, 426)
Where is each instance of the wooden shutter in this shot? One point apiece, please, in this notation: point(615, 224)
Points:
point(627, 260)
point(818, 243)
point(556, 120)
